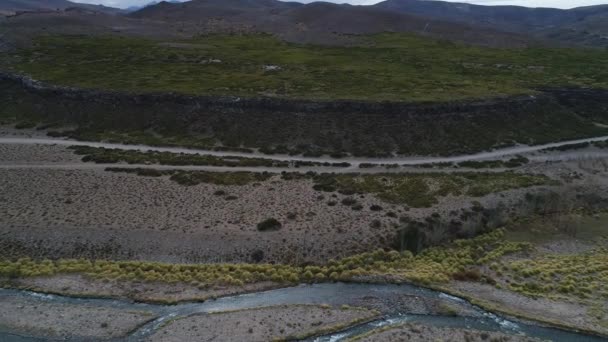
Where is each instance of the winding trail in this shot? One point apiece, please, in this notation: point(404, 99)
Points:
point(355, 162)
point(406, 164)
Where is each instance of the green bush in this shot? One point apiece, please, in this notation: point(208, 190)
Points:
point(270, 224)
point(349, 201)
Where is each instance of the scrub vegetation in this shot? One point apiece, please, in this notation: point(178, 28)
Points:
point(111, 156)
point(424, 190)
point(191, 178)
point(434, 265)
point(582, 275)
point(386, 66)
point(417, 190)
point(390, 66)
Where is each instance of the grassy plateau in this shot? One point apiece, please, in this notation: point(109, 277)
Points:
point(383, 67)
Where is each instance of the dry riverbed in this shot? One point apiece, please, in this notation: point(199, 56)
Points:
point(36, 317)
point(285, 322)
point(423, 333)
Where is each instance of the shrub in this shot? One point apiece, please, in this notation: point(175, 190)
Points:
point(25, 124)
point(376, 207)
point(375, 224)
point(257, 256)
point(468, 275)
point(349, 201)
point(270, 224)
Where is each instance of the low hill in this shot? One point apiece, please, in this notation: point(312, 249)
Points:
point(16, 6)
point(317, 22)
point(244, 11)
point(578, 25)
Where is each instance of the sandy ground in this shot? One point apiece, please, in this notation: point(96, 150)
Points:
point(264, 324)
point(98, 214)
point(561, 312)
point(82, 286)
point(36, 317)
point(23, 154)
point(420, 333)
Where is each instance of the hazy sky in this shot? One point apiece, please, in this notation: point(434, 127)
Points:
point(529, 3)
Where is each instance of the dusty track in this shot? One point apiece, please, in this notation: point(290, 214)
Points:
point(355, 162)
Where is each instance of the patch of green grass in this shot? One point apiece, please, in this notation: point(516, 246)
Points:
point(413, 189)
point(396, 67)
point(140, 137)
point(424, 189)
point(191, 178)
point(111, 156)
point(386, 66)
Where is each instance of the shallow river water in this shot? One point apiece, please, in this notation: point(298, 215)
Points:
point(330, 293)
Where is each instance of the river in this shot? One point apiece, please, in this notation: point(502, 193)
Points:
point(327, 293)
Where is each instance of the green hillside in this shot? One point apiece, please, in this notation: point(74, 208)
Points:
point(383, 67)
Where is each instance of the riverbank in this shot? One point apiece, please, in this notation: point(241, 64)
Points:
point(157, 240)
point(39, 317)
point(339, 307)
point(421, 333)
point(489, 280)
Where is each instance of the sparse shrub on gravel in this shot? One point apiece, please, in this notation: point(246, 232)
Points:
point(421, 190)
point(349, 201)
point(191, 178)
point(270, 224)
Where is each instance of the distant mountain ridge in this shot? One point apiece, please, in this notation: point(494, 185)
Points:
point(581, 23)
point(330, 23)
point(152, 3)
point(511, 18)
point(317, 22)
point(14, 6)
